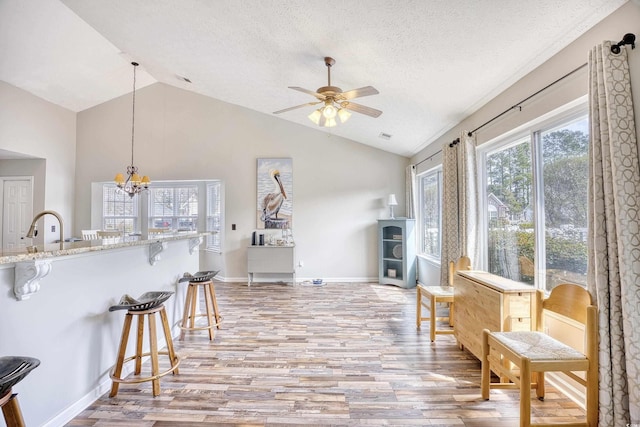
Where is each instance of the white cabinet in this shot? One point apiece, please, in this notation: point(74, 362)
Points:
point(397, 252)
point(271, 259)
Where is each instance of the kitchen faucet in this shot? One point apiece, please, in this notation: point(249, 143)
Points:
point(33, 229)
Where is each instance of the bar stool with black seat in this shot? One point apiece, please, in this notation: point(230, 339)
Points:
point(196, 281)
point(12, 370)
point(148, 304)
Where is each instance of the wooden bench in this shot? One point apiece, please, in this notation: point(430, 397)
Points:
point(522, 357)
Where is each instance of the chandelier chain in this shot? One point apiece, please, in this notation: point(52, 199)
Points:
point(133, 112)
point(132, 184)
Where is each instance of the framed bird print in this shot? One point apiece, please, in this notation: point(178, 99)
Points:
point(275, 193)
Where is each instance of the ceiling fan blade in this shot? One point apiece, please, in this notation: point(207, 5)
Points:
point(357, 93)
point(361, 109)
point(310, 92)
point(297, 106)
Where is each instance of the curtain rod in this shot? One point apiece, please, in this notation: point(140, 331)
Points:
point(518, 105)
point(628, 39)
point(428, 158)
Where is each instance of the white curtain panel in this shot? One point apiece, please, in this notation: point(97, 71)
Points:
point(614, 234)
point(459, 205)
point(410, 186)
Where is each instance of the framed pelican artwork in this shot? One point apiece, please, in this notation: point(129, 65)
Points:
point(275, 193)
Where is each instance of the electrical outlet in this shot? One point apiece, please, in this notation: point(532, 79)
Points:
point(53, 228)
point(233, 227)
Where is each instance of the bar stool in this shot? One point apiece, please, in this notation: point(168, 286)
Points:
point(12, 370)
point(200, 279)
point(148, 305)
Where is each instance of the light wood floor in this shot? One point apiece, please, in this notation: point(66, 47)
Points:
point(341, 354)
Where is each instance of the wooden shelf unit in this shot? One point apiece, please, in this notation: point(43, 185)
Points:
point(397, 252)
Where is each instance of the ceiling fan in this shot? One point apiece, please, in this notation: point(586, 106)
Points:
point(336, 102)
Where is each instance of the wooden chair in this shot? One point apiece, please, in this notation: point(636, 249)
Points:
point(158, 232)
point(438, 294)
point(89, 234)
point(109, 234)
point(523, 357)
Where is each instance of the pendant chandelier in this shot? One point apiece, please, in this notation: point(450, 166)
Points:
point(133, 184)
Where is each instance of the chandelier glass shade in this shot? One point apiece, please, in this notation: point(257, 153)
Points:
point(132, 184)
point(326, 115)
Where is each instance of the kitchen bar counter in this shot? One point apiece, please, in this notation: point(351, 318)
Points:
point(54, 250)
point(64, 320)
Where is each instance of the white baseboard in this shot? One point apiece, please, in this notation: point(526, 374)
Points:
point(568, 387)
point(76, 408)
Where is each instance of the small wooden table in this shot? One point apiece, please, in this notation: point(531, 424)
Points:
point(486, 301)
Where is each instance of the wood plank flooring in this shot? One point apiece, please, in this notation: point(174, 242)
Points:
point(342, 354)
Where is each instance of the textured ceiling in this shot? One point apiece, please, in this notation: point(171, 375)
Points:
point(433, 61)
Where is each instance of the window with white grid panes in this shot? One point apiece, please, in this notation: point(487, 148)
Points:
point(119, 211)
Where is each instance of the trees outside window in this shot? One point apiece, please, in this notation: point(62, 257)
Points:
point(535, 199)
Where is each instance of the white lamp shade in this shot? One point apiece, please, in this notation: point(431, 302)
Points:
point(315, 116)
point(392, 200)
point(343, 115)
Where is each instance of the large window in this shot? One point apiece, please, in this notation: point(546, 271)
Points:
point(214, 215)
point(119, 211)
point(174, 208)
point(535, 203)
point(430, 211)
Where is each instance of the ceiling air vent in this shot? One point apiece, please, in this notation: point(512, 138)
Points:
point(384, 136)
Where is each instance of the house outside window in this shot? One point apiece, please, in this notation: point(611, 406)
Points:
point(430, 203)
point(534, 202)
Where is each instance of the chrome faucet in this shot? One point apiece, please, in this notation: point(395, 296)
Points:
point(33, 229)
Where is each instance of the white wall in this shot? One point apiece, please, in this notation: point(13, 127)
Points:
point(67, 325)
point(625, 20)
point(339, 186)
point(40, 129)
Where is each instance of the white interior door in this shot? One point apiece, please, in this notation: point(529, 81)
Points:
point(17, 211)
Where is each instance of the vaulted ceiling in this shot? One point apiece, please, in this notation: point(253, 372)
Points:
point(434, 62)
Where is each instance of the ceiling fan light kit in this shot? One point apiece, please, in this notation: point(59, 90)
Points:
point(336, 102)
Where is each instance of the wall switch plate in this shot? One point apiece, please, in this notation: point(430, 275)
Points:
point(53, 228)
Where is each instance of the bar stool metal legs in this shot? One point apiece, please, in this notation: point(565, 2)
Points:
point(154, 377)
point(211, 305)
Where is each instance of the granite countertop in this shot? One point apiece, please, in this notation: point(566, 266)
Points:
point(53, 250)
